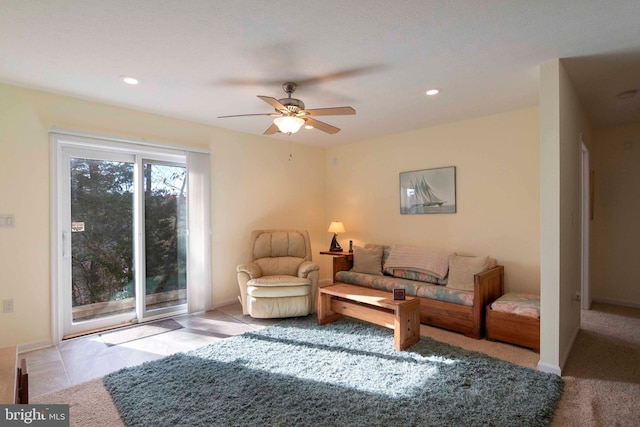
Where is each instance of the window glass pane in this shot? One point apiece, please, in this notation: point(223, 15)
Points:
point(165, 202)
point(101, 238)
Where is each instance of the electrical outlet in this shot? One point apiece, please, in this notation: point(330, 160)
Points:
point(8, 306)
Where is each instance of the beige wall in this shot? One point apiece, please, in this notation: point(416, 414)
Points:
point(562, 122)
point(549, 216)
point(574, 127)
point(615, 243)
point(254, 185)
point(497, 183)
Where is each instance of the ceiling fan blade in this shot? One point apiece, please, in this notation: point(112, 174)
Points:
point(271, 129)
point(305, 81)
point(331, 111)
point(273, 102)
point(340, 74)
point(324, 127)
point(246, 115)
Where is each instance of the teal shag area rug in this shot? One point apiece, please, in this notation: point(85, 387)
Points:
point(346, 373)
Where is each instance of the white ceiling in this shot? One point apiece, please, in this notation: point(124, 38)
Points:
point(200, 59)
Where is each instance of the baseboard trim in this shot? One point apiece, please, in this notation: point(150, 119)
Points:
point(565, 356)
point(225, 302)
point(549, 368)
point(32, 346)
point(616, 302)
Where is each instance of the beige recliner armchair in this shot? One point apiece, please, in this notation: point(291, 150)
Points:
point(279, 279)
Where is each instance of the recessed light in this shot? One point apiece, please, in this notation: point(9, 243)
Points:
point(308, 127)
point(129, 80)
point(432, 92)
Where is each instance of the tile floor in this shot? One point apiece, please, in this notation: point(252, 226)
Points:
point(81, 359)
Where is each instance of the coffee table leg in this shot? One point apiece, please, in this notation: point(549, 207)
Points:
point(325, 314)
point(406, 331)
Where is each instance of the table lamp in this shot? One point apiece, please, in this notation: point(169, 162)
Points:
point(335, 228)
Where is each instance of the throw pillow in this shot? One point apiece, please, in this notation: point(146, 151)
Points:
point(385, 252)
point(463, 268)
point(367, 260)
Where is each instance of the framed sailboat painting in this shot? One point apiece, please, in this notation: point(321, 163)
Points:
point(428, 191)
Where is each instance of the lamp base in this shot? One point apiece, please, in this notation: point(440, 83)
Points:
point(335, 246)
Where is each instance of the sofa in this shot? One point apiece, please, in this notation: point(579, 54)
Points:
point(453, 289)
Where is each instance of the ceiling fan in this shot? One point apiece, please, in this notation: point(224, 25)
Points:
point(290, 114)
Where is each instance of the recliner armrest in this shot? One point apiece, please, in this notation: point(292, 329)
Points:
point(252, 269)
point(307, 267)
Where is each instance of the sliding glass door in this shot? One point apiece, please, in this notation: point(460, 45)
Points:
point(165, 231)
point(124, 247)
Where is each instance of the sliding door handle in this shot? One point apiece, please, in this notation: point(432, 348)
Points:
point(66, 244)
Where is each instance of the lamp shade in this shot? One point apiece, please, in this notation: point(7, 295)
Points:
point(288, 124)
point(336, 227)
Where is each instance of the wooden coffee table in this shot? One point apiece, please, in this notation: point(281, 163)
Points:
point(373, 306)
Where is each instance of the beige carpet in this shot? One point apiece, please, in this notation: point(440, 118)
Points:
point(602, 375)
point(89, 404)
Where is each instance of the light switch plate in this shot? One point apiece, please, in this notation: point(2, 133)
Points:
point(7, 221)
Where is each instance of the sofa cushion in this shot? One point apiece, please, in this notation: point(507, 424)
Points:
point(521, 304)
point(424, 290)
point(354, 278)
point(367, 260)
point(412, 288)
point(418, 276)
point(463, 268)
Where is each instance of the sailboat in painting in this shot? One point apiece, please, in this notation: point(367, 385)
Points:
point(424, 194)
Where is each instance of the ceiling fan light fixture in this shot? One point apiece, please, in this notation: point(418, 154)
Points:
point(292, 115)
point(288, 124)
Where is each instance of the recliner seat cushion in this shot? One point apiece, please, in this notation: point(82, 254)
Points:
point(278, 291)
point(280, 280)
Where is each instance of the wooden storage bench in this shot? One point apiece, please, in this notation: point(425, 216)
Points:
point(515, 318)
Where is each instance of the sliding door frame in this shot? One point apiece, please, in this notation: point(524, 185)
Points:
point(198, 248)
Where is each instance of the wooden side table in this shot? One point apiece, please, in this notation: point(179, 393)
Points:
point(341, 261)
